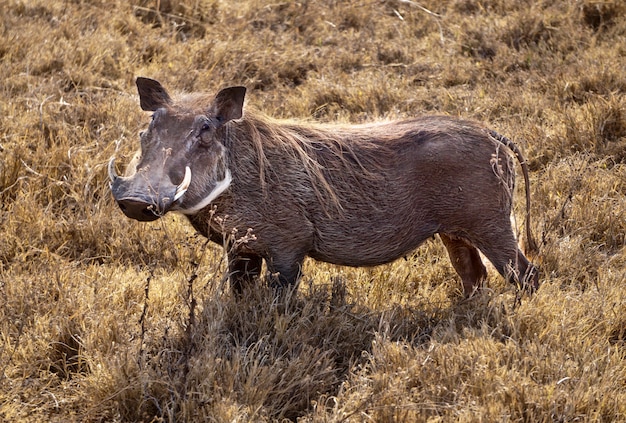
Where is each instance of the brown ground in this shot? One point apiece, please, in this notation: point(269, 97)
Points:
point(106, 319)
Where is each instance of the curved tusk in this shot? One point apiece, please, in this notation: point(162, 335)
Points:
point(112, 174)
point(184, 185)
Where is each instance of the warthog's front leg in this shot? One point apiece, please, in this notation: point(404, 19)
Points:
point(243, 268)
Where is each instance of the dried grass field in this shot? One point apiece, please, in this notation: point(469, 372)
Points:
point(105, 319)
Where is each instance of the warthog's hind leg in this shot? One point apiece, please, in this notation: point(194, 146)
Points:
point(500, 247)
point(466, 261)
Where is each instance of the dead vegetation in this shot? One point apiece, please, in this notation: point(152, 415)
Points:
point(106, 319)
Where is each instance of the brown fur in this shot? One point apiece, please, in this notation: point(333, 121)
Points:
point(358, 195)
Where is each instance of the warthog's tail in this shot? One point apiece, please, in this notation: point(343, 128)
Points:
point(531, 245)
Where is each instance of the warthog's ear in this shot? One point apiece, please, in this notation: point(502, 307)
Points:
point(152, 95)
point(228, 104)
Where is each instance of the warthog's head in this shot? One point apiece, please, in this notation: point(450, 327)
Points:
point(182, 162)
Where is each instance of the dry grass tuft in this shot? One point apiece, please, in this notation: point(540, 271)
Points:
point(106, 319)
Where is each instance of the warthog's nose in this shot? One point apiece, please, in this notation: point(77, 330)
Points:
point(138, 210)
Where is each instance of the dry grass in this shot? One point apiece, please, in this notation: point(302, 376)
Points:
point(106, 319)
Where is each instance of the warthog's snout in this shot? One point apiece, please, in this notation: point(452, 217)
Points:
point(138, 209)
point(143, 200)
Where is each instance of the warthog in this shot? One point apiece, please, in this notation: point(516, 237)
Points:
point(354, 195)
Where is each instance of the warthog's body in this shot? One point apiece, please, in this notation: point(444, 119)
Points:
point(350, 195)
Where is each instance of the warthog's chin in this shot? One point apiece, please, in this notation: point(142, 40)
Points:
point(219, 188)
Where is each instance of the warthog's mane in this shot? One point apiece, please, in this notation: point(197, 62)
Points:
point(330, 155)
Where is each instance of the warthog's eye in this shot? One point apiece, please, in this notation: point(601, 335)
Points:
point(205, 128)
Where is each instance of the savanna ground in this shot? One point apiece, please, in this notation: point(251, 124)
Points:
point(107, 319)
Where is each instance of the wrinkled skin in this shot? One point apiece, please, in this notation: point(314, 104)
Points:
point(349, 195)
